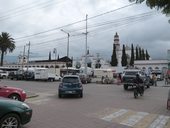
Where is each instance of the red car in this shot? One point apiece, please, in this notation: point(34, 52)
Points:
point(13, 93)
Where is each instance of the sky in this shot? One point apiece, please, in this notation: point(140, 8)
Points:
point(40, 23)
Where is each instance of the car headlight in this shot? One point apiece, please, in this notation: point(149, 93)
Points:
point(25, 105)
point(23, 91)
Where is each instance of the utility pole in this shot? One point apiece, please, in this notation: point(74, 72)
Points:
point(86, 47)
point(23, 58)
point(68, 35)
point(55, 53)
point(28, 55)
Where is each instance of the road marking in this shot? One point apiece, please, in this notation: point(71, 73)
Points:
point(160, 122)
point(115, 115)
point(134, 119)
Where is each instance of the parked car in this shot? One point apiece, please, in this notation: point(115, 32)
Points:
point(16, 75)
point(13, 93)
point(58, 78)
point(3, 74)
point(28, 75)
point(70, 85)
point(85, 78)
point(14, 113)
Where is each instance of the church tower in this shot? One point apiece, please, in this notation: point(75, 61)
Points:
point(118, 49)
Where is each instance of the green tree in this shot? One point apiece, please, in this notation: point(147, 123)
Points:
point(132, 56)
point(137, 53)
point(163, 5)
point(114, 61)
point(143, 54)
point(124, 57)
point(7, 44)
point(147, 55)
point(140, 54)
point(49, 56)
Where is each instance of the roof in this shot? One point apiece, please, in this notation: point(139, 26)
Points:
point(63, 59)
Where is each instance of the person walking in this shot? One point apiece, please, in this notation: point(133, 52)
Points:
point(154, 79)
point(166, 79)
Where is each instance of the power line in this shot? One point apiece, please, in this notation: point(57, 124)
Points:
point(75, 22)
point(28, 9)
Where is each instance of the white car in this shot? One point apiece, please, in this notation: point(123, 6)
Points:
point(58, 78)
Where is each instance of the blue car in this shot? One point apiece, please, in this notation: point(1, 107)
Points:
point(70, 85)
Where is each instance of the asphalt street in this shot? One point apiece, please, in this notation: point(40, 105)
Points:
point(103, 106)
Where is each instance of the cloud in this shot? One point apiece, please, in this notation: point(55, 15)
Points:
point(150, 32)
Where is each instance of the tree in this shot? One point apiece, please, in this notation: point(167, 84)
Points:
point(140, 54)
point(143, 54)
point(49, 56)
point(132, 56)
point(137, 53)
point(7, 44)
point(163, 5)
point(147, 55)
point(114, 57)
point(124, 57)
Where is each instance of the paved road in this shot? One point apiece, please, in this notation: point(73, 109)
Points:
point(103, 106)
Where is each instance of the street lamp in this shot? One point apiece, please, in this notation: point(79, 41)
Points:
point(68, 35)
point(55, 52)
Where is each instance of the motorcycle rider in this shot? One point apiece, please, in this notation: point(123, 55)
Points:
point(139, 84)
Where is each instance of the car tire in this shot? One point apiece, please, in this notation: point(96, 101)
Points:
point(60, 95)
point(10, 119)
point(125, 87)
point(15, 97)
point(81, 95)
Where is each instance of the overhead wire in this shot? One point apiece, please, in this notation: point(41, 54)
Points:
point(49, 30)
point(28, 9)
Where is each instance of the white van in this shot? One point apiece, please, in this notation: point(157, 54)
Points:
point(44, 74)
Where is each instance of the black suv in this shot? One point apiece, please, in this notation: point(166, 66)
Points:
point(129, 75)
point(70, 85)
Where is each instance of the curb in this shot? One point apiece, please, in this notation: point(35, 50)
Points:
point(33, 96)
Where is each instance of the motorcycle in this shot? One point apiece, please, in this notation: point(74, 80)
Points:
point(138, 90)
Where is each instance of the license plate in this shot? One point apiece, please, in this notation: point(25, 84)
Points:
point(70, 92)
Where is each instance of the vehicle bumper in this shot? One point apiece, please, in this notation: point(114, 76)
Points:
point(70, 92)
point(26, 116)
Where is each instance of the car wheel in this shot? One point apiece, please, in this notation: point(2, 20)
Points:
point(125, 87)
point(59, 96)
point(81, 95)
point(15, 97)
point(10, 121)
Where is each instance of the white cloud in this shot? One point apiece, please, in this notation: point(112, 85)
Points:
point(149, 33)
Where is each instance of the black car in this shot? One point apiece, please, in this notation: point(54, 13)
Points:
point(70, 85)
point(14, 113)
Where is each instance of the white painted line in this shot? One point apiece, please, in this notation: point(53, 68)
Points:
point(160, 122)
point(115, 115)
point(134, 119)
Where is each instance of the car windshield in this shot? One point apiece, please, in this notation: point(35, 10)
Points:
point(70, 80)
point(131, 73)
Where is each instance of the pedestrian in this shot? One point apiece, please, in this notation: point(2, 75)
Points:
point(166, 79)
point(154, 77)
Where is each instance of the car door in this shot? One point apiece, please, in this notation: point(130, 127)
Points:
point(3, 91)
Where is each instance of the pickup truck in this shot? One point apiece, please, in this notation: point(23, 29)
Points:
point(129, 75)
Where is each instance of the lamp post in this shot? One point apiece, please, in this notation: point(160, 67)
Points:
point(68, 36)
point(55, 52)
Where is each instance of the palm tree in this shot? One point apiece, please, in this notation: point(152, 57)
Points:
point(7, 44)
